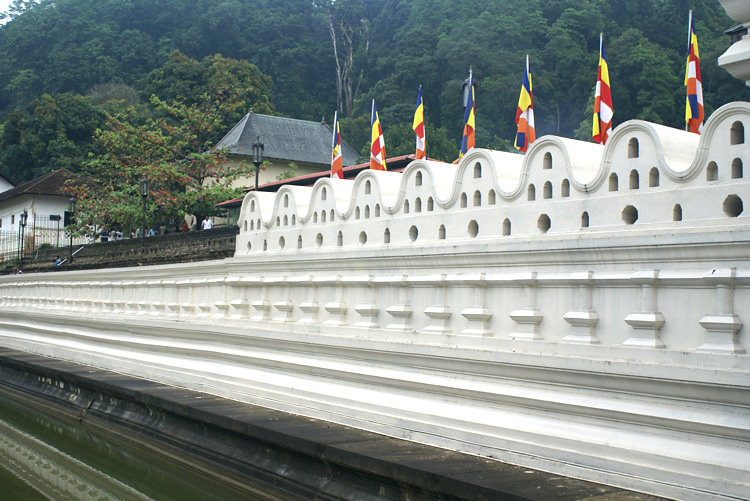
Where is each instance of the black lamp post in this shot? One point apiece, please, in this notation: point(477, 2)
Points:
point(21, 226)
point(257, 159)
point(72, 209)
point(144, 195)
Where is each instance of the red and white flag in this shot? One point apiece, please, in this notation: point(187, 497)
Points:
point(603, 111)
point(377, 143)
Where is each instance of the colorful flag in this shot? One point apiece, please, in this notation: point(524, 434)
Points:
point(526, 133)
point(418, 125)
point(467, 141)
point(337, 165)
point(603, 111)
point(377, 143)
point(694, 101)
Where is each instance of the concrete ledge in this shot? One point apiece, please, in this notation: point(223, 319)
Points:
point(303, 457)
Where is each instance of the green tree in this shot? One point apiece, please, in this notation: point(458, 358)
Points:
point(189, 80)
point(69, 46)
point(400, 140)
point(52, 132)
point(172, 151)
point(644, 83)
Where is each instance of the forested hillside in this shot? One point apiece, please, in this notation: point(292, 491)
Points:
point(65, 65)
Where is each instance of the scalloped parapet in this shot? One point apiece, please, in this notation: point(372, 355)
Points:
point(648, 178)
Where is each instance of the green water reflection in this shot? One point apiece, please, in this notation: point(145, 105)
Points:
point(45, 456)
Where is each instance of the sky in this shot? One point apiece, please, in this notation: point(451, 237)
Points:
point(4, 6)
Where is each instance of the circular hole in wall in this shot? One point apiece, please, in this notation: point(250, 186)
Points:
point(543, 223)
point(473, 228)
point(413, 233)
point(733, 206)
point(629, 214)
point(363, 238)
point(319, 239)
point(282, 242)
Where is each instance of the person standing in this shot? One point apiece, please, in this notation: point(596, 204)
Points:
point(207, 224)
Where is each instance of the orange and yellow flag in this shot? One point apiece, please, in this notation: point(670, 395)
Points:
point(467, 141)
point(337, 165)
point(526, 132)
point(418, 125)
point(694, 102)
point(377, 143)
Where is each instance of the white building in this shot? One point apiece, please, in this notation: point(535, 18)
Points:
point(5, 183)
point(44, 202)
point(285, 141)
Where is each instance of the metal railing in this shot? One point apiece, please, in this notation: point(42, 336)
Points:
point(41, 231)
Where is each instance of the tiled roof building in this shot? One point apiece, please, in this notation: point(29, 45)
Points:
point(307, 144)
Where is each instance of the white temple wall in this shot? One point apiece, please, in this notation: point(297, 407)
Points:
point(474, 296)
point(595, 350)
point(648, 175)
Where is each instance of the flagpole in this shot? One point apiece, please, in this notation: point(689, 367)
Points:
point(333, 139)
point(689, 42)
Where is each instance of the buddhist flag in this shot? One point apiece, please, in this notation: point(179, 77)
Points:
point(603, 111)
point(467, 142)
point(694, 101)
point(337, 165)
point(526, 133)
point(418, 125)
point(377, 143)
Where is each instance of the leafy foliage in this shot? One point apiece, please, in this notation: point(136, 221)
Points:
point(49, 133)
point(173, 152)
point(288, 173)
point(189, 81)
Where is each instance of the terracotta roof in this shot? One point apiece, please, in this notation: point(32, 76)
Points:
point(285, 139)
point(48, 184)
point(395, 164)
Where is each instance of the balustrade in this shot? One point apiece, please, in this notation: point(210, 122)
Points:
point(419, 304)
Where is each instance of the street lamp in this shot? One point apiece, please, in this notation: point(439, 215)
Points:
point(144, 195)
point(71, 209)
point(22, 225)
point(257, 159)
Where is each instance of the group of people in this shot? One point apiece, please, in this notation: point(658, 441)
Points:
point(105, 235)
point(110, 235)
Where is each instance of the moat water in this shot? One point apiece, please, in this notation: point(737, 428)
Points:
point(45, 455)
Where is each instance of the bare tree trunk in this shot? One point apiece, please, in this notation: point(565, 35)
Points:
point(346, 79)
point(366, 35)
point(344, 56)
point(332, 32)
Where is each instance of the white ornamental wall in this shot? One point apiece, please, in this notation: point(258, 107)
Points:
point(648, 178)
point(598, 351)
